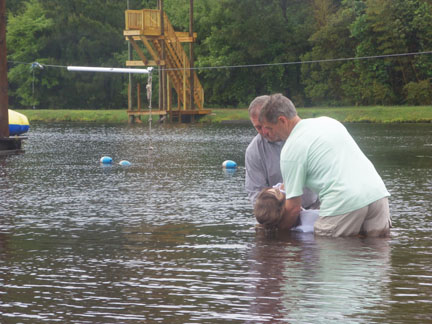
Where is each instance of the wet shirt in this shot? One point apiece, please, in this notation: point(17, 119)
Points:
point(262, 165)
point(322, 155)
point(262, 162)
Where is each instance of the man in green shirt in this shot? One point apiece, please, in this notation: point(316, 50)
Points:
point(320, 154)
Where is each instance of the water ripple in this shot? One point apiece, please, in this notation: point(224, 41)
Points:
point(171, 238)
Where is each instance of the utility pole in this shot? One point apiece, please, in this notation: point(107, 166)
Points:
point(130, 75)
point(191, 58)
point(4, 115)
point(163, 71)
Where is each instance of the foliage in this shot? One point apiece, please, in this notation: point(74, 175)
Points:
point(244, 48)
point(418, 93)
point(373, 29)
point(90, 35)
point(325, 82)
point(391, 27)
point(23, 29)
point(247, 33)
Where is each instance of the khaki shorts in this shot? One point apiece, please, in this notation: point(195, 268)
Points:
point(373, 220)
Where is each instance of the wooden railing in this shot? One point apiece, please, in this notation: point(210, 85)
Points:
point(185, 63)
point(147, 19)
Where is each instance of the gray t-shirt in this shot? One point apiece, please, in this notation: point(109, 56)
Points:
point(262, 161)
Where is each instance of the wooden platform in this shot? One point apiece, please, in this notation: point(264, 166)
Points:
point(146, 112)
point(171, 112)
point(191, 112)
point(174, 115)
point(11, 145)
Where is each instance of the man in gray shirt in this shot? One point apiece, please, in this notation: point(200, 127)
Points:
point(262, 160)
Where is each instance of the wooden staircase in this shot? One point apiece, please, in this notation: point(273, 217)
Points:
point(152, 30)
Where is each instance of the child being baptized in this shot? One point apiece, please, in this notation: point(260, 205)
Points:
point(269, 208)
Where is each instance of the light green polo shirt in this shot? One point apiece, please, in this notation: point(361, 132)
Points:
point(320, 154)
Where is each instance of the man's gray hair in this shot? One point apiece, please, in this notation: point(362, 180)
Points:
point(256, 105)
point(277, 105)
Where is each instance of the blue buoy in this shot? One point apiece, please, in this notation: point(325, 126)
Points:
point(124, 163)
point(228, 164)
point(106, 160)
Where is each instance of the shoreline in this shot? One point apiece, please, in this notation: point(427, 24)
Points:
point(372, 114)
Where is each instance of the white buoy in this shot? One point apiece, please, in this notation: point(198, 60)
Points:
point(229, 164)
point(124, 163)
point(106, 160)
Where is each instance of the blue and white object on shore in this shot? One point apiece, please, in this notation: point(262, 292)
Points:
point(124, 163)
point(106, 160)
point(18, 123)
point(229, 164)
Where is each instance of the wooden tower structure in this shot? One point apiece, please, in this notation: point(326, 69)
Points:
point(151, 29)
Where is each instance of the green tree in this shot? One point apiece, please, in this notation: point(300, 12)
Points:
point(324, 81)
point(88, 33)
point(369, 28)
point(15, 6)
point(248, 32)
point(391, 27)
point(26, 37)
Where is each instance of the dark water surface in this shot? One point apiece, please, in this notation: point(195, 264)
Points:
point(170, 239)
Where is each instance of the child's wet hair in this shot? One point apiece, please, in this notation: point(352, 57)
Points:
point(269, 206)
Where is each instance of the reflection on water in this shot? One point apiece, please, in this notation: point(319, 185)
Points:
point(340, 279)
point(171, 238)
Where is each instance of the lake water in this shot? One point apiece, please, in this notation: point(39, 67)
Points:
point(171, 238)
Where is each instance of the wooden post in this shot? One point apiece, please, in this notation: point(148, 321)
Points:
point(169, 94)
point(160, 87)
point(4, 115)
point(131, 119)
point(184, 81)
point(160, 94)
point(178, 101)
point(139, 96)
point(164, 72)
point(130, 96)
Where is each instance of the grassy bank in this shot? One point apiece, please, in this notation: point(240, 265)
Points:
point(65, 115)
point(374, 114)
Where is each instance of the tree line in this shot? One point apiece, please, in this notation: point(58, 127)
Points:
point(317, 52)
